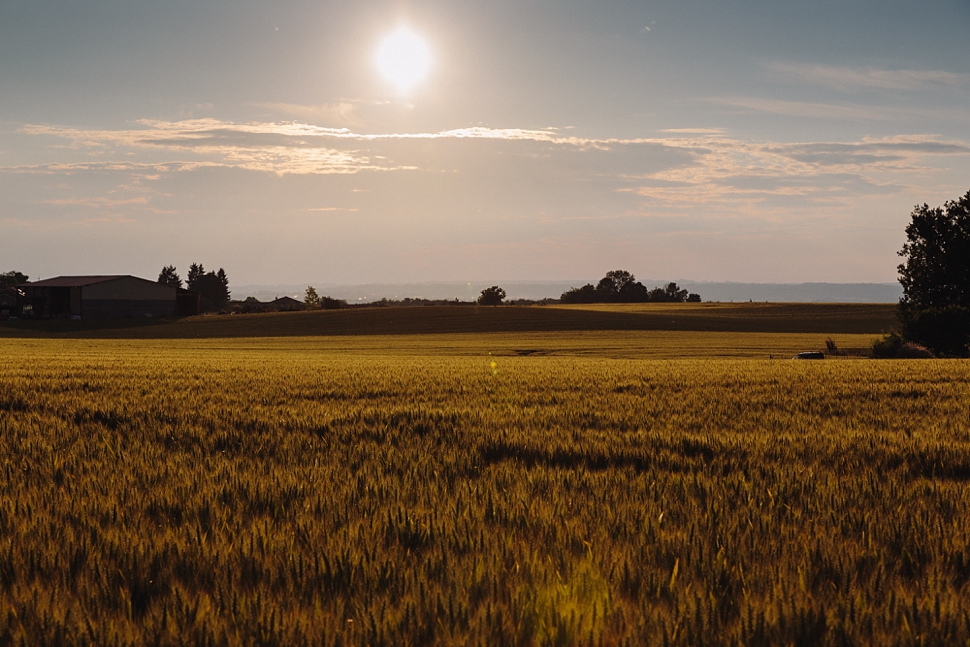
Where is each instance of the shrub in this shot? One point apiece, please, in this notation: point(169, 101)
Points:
point(945, 331)
point(887, 347)
point(913, 351)
point(831, 348)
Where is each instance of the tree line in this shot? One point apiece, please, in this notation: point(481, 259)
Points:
point(619, 286)
point(12, 279)
point(212, 287)
point(313, 301)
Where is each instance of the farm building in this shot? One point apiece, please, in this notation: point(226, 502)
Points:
point(286, 304)
point(8, 301)
point(100, 297)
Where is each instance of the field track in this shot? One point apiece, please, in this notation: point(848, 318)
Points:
point(422, 320)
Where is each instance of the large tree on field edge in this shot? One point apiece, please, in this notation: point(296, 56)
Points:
point(935, 307)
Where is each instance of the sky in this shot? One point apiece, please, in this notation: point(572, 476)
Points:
point(549, 140)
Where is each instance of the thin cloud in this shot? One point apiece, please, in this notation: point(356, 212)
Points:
point(847, 78)
point(804, 108)
point(733, 171)
point(343, 113)
point(694, 131)
point(276, 148)
point(708, 165)
point(97, 202)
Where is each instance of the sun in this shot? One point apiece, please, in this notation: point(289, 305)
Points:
point(403, 59)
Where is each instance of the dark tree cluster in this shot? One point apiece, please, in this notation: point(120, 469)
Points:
point(170, 277)
point(212, 287)
point(492, 296)
point(619, 286)
point(935, 308)
point(12, 279)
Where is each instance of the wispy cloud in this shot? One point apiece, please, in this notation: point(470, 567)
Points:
point(804, 108)
point(847, 78)
point(287, 148)
point(695, 165)
point(730, 170)
point(343, 113)
point(694, 131)
point(97, 202)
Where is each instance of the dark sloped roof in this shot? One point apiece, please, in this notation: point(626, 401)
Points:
point(75, 281)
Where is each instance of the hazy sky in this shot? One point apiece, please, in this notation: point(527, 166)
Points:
point(747, 141)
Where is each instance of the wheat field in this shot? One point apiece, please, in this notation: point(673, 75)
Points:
point(562, 490)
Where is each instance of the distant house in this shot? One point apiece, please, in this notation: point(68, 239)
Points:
point(285, 304)
point(101, 297)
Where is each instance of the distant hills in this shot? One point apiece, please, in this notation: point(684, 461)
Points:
point(469, 291)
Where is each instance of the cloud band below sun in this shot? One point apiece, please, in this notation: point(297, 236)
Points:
point(684, 166)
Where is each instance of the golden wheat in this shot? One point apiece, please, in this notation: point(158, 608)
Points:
point(277, 492)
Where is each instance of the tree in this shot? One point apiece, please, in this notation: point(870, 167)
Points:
point(196, 271)
point(492, 296)
point(936, 272)
point(311, 300)
point(674, 294)
point(224, 282)
point(585, 294)
point(12, 279)
point(213, 287)
point(168, 276)
point(615, 284)
point(935, 307)
point(619, 286)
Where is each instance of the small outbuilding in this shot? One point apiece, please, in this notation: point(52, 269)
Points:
point(100, 297)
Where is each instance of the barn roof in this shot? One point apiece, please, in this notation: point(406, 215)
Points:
point(75, 281)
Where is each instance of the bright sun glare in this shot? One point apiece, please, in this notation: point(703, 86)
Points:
point(403, 58)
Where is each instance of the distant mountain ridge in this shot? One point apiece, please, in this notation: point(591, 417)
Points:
point(469, 291)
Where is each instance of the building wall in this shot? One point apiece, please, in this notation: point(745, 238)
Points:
point(127, 296)
point(124, 308)
point(75, 301)
point(129, 288)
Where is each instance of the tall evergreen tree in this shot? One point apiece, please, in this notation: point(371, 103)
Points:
point(213, 287)
point(311, 300)
point(225, 295)
point(196, 271)
point(170, 277)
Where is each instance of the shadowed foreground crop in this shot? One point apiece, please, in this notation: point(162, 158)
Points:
point(157, 494)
